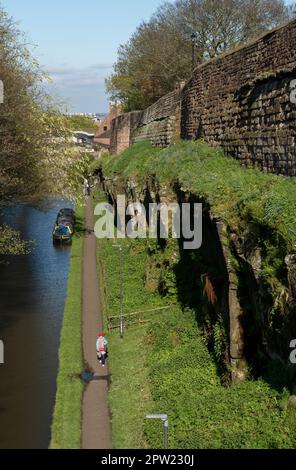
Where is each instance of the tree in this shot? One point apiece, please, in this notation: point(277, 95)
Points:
point(222, 24)
point(11, 242)
point(82, 123)
point(159, 53)
point(150, 64)
point(36, 155)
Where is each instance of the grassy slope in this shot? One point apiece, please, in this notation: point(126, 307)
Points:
point(230, 188)
point(203, 413)
point(173, 366)
point(66, 427)
point(129, 394)
point(165, 367)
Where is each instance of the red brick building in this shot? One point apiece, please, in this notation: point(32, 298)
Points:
point(103, 133)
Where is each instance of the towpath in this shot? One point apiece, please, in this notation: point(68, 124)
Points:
point(96, 425)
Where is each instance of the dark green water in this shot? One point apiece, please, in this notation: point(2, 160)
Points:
point(32, 297)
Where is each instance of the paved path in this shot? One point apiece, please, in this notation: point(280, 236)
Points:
point(96, 427)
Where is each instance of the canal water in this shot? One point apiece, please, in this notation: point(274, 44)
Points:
point(32, 297)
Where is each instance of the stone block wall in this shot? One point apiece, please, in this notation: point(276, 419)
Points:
point(241, 101)
point(160, 124)
point(121, 131)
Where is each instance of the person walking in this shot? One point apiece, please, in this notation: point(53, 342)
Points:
point(86, 187)
point(101, 347)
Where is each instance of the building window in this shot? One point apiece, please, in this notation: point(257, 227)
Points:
point(105, 128)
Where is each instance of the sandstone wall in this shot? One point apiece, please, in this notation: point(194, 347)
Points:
point(242, 102)
point(121, 131)
point(160, 124)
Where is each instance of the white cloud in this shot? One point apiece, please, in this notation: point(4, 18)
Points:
point(84, 87)
point(92, 75)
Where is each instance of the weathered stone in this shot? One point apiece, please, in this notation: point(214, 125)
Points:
point(159, 124)
point(239, 368)
point(245, 92)
point(240, 101)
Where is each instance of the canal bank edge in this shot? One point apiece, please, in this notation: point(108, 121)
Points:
point(67, 418)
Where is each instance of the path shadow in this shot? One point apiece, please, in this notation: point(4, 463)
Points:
point(99, 378)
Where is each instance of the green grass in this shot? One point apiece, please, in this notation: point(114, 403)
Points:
point(233, 192)
point(66, 426)
point(164, 366)
point(129, 395)
point(134, 253)
point(203, 413)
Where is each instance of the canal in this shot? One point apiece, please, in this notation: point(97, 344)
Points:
point(32, 297)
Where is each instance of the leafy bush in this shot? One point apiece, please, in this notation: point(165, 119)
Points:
point(203, 413)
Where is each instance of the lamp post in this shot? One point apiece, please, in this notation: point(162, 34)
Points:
point(193, 41)
point(165, 420)
point(121, 289)
point(1, 92)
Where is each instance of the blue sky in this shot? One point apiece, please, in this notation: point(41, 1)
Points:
point(77, 42)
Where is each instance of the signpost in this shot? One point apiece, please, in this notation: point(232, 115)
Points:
point(164, 419)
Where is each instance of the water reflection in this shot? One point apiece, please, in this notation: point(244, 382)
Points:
point(32, 295)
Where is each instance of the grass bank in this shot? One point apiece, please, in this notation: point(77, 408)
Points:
point(164, 366)
point(129, 395)
point(233, 192)
point(66, 426)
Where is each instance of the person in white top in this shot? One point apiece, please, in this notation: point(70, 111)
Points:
point(101, 347)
